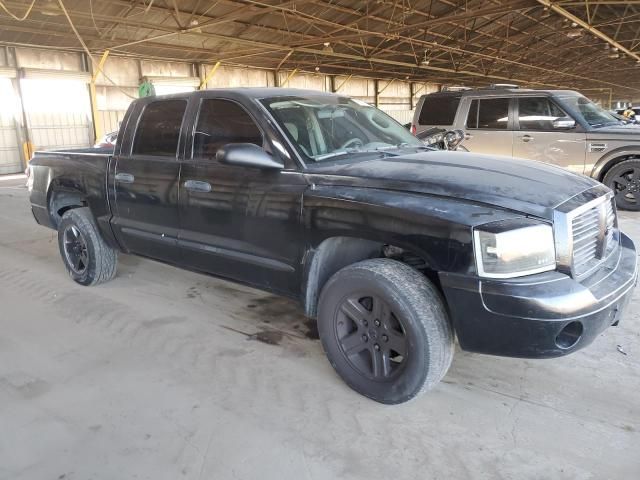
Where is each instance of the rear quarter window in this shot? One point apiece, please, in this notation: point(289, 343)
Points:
point(438, 110)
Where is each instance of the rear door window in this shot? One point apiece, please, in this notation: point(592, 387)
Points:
point(158, 130)
point(221, 122)
point(439, 110)
point(489, 114)
point(538, 113)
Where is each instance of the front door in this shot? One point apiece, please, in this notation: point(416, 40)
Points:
point(536, 138)
point(238, 222)
point(488, 127)
point(146, 183)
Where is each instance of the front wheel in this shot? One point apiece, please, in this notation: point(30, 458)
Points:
point(86, 256)
point(624, 180)
point(385, 330)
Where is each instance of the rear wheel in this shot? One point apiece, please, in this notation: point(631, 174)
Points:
point(86, 256)
point(385, 330)
point(624, 180)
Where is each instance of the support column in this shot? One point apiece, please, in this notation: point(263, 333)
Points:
point(411, 95)
point(376, 96)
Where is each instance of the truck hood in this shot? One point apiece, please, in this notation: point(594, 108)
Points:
point(524, 186)
point(629, 132)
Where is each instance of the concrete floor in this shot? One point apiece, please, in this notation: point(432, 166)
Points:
point(157, 375)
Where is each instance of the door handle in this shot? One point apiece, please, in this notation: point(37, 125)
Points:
point(527, 138)
point(197, 186)
point(125, 178)
point(467, 136)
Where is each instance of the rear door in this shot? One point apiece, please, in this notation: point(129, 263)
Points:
point(488, 128)
point(238, 222)
point(146, 177)
point(537, 139)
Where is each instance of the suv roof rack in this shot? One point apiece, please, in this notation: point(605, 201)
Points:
point(503, 85)
point(455, 89)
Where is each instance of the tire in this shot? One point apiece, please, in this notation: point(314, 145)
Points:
point(385, 329)
point(85, 254)
point(624, 179)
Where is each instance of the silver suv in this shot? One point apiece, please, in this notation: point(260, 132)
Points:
point(561, 127)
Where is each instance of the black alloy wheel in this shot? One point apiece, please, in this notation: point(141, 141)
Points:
point(385, 329)
point(75, 249)
point(624, 180)
point(371, 336)
point(88, 259)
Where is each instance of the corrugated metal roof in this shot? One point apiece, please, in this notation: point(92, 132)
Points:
point(475, 42)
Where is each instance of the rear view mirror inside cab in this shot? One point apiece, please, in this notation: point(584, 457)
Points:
point(331, 113)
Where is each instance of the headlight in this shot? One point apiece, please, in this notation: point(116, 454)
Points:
point(510, 248)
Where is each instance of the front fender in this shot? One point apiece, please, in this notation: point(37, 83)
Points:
point(438, 229)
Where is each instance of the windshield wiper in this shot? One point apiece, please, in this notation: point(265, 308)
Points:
point(319, 158)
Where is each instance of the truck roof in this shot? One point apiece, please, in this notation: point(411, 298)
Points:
point(248, 92)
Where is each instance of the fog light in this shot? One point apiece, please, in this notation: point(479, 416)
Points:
point(569, 335)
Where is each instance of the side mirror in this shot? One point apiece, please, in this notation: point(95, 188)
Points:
point(564, 123)
point(453, 138)
point(247, 155)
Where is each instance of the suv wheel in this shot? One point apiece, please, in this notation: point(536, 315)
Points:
point(624, 180)
point(385, 330)
point(86, 256)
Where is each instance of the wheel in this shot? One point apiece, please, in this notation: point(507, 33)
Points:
point(86, 256)
point(385, 330)
point(624, 180)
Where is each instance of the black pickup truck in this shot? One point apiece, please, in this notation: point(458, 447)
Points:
point(394, 247)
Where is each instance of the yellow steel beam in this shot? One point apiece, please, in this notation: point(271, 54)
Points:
point(344, 82)
point(289, 77)
point(100, 66)
point(97, 120)
point(568, 15)
point(387, 85)
point(209, 76)
point(418, 90)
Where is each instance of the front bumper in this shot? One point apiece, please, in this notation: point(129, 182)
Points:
point(540, 316)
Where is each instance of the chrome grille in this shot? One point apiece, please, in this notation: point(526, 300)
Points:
point(593, 234)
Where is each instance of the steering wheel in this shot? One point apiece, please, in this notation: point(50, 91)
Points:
point(353, 141)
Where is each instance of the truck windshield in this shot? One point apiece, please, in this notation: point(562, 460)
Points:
point(324, 127)
point(593, 114)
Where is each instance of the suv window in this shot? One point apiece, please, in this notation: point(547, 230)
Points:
point(158, 131)
point(438, 110)
point(221, 122)
point(538, 113)
point(489, 113)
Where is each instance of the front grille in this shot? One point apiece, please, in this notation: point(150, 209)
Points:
point(593, 235)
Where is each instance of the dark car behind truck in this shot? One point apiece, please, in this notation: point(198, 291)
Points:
point(394, 247)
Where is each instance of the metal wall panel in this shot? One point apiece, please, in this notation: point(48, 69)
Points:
point(125, 72)
point(304, 80)
point(111, 120)
point(58, 113)
point(360, 88)
point(48, 59)
point(10, 159)
point(225, 77)
point(166, 69)
point(401, 116)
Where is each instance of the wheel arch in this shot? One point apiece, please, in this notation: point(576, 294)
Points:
point(611, 159)
point(337, 252)
point(62, 198)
